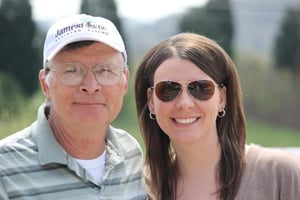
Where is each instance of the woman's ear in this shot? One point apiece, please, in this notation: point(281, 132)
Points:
point(150, 100)
point(223, 98)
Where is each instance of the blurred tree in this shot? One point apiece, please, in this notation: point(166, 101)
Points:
point(103, 8)
point(287, 44)
point(213, 20)
point(18, 56)
point(10, 98)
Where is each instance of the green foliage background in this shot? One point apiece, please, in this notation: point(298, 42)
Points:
point(18, 50)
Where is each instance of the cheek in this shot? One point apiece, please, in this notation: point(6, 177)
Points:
point(115, 95)
point(214, 114)
point(162, 111)
point(157, 105)
point(211, 110)
point(60, 95)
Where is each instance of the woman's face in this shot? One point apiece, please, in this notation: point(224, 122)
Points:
point(186, 119)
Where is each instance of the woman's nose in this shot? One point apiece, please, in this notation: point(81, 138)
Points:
point(185, 100)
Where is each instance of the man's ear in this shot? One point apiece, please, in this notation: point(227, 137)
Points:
point(43, 82)
point(127, 75)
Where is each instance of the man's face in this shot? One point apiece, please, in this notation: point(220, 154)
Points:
point(88, 102)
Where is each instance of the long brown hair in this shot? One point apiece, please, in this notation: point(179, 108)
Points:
point(214, 61)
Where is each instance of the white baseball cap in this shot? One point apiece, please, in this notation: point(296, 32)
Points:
point(82, 27)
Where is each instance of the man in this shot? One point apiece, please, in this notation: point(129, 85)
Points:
point(72, 151)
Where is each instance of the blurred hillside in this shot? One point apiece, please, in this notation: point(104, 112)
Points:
point(256, 25)
point(257, 22)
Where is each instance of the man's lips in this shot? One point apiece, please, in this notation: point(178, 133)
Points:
point(88, 103)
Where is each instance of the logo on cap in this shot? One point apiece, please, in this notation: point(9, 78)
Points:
point(88, 25)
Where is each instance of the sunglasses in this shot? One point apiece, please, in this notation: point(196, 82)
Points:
point(201, 89)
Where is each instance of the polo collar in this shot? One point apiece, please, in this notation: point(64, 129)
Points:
point(50, 151)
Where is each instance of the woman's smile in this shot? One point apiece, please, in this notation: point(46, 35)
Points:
point(189, 120)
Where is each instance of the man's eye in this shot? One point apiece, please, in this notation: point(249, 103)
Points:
point(70, 70)
point(104, 71)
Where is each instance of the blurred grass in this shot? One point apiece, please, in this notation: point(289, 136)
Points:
point(271, 135)
point(20, 119)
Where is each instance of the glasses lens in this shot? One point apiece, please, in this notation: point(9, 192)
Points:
point(167, 90)
point(202, 89)
point(108, 74)
point(73, 73)
point(70, 74)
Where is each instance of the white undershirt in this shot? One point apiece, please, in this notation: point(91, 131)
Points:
point(94, 166)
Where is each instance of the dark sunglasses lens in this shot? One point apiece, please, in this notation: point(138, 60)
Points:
point(202, 89)
point(167, 90)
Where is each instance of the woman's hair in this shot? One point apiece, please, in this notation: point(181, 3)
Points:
point(215, 62)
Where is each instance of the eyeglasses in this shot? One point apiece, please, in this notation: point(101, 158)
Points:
point(201, 89)
point(73, 73)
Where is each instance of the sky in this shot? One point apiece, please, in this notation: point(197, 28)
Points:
point(143, 10)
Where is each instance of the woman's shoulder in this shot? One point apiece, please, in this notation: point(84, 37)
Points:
point(276, 157)
point(265, 159)
point(270, 174)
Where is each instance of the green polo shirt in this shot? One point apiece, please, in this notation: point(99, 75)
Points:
point(33, 165)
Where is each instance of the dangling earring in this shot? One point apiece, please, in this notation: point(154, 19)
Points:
point(222, 113)
point(151, 116)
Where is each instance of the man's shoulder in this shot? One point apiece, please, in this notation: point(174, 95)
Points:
point(124, 136)
point(123, 140)
point(17, 150)
point(16, 137)
point(18, 142)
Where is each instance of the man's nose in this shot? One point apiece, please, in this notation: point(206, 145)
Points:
point(89, 83)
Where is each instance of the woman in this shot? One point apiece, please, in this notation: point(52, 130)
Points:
point(189, 104)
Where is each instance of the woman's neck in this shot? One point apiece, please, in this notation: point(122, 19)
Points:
point(198, 170)
point(193, 160)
